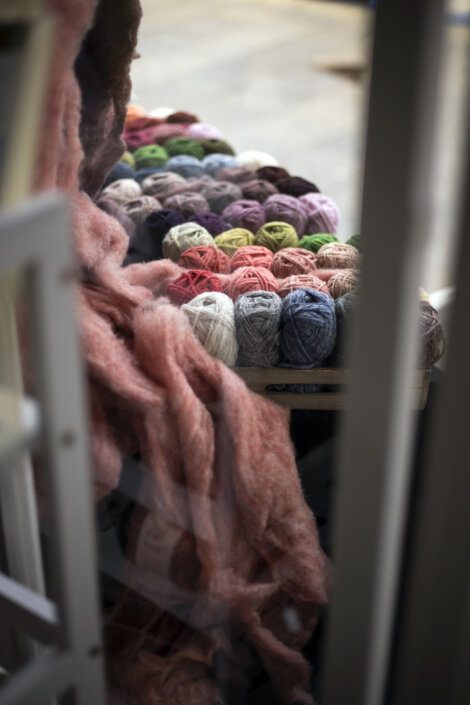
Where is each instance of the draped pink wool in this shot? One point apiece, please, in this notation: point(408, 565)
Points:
point(223, 540)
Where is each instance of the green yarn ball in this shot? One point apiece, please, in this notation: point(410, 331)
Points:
point(314, 242)
point(150, 156)
point(216, 147)
point(128, 158)
point(184, 145)
point(277, 235)
point(231, 240)
point(355, 241)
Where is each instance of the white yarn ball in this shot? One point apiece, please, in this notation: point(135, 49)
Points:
point(122, 190)
point(181, 237)
point(162, 112)
point(253, 159)
point(212, 318)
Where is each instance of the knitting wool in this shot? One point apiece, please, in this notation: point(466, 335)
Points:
point(184, 145)
point(214, 163)
point(185, 165)
point(257, 321)
point(273, 174)
point(207, 257)
point(187, 203)
point(231, 240)
point(118, 172)
point(152, 155)
point(355, 241)
point(254, 159)
point(296, 186)
point(213, 321)
point(258, 190)
point(182, 116)
point(182, 237)
point(203, 131)
point(338, 255)
point(277, 235)
point(252, 256)
point(163, 185)
point(220, 194)
point(246, 279)
point(212, 222)
point(301, 281)
point(216, 146)
point(190, 284)
point(326, 274)
point(236, 175)
point(345, 309)
point(308, 328)
point(165, 132)
point(432, 342)
point(135, 139)
point(141, 174)
point(122, 190)
point(245, 214)
point(323, 213)
point(156, 225)
point(343, 282)
point(139, 208)
point(288, 210)
point(293, 260)
point(128, 158)
point(314, 242)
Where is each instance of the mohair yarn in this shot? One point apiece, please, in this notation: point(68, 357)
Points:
point(236, 175)
point(162, 185)
point(432, 342)
point(212, 222)
point(277, 235)
point(246, 279)
point(220, 194)
point(187, 203)
point(206, 257)
point(288, 210)
point(212, 319)
point(343, 282)
point(184, 145)
point(255, 159)
point(293, 260)
point(152, 155)
point(323, 213)
point(141, 174)
point(182, 116)
point(182, 237)
point(258, 190)
point(245, 214)
point(273, 174)
point(122, 190)
point(214, 163)
point(216, 146)
point(257, 321)
point(301, 281)
point(121, 171)
point(296, 186)
point(203, 131)
point(165, 132)
point(231, 240)
point(338, 255)
point(355, 241)
point(252, 256)
point(190, 284)
point(314, 242)
point(185, 165)
point(128, 158)
point(139, 208)
point(308, 328)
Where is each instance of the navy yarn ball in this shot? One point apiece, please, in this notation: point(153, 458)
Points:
point(308, 328)
point(212, 222)
point(147, 243)
point(119, 171)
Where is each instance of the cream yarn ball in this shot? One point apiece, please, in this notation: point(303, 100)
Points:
point(212, 318)
point(254, 159)
point(122, 190)
point(181, 237)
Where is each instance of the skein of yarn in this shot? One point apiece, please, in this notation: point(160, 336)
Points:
point(343, 282)
point(288, 210)
point(432, 343)
point(252, 256)
point(184, 145)
point(322, 212)
point(257, 321)
point(301, 281)
point(185, 165)
point(221, 194)
point(246, 279)
point(214, 163)
point(314, 242)
point(213, 321)
point(190, 284)
point(152, 155)
point(187, 203)
point(231, 240)
point(236, 175)
point(338, 255)
point(212, 222)
point(274, 174)
point(293, 260)
point(182, 237)
point(277, 235)
point(245, 214)
point(254, 159)
point(122, 191)
point(258, 190)
point(206, 257)
point(162, 185)
point(296, 186)
point(308, 328)
point(139, 208)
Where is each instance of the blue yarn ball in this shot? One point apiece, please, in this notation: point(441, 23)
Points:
point(185, 165)
point(308, 328)
point(214, 163)
point(142, 174)
point(119, 171)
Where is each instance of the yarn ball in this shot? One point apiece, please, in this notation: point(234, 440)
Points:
point(273, 174)
point(355, 241)
point(203, 131)
point(314, 242)
point(184, 145)
point(214, 163)
point(338, 255)
point(139, 208)
point(188, 203)
point(216, 146)
point(258, 190)
point(135, 139)
point(117, 211)
point(213, 321)
point(236, 175)
point(300, 281)
point(345, 309)
point(432, 343)
point(287, 209)
point(141, 174)
point(152, 155)
point(231, 240)
point(293, 260)
point(308, 328)
point(296, 186)
point(277, 235)
point(185, 165)
point(165, 132)
point(323, 213)
point(128, 158)
point(221, 194)
point(182, 237)
point(206, 257)
point(245, 214)
point(257, 321)
point(252, 256)
point(122, 190)
point(181, 116)
point(162, 185)
point(343, 282)
point(212, 222)
point(118, 172)
point(190, 284)
point(149, 235)
point(254, 159)
point(247, 279)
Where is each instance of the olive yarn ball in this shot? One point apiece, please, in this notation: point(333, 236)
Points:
point(231, 240)
point(216, 146)
point(277, 235)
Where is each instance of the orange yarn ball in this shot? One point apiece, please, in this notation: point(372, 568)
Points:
point(343, 282)
point(190, 284)
point(299, 281)
point(248, 279)
point(338, 255)
point(252, 256)
point(293, 260)
point(205, 257)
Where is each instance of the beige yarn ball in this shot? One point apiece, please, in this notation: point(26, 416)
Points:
point(212, 318)
point(343, 282)
point(181, 237)
point(122, 190)
point(338, 255)
point(138, 208)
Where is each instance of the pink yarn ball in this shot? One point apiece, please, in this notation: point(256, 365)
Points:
point(288, 210)
point(300, 281)
point(293, 260)
point(203, 131)
point(252, 256)
point(323, 213)
point(165, 132)
point(187, 203)
point(248, 279)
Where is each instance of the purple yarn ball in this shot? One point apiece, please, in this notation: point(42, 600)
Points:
point(187, 203)
point(203, 131)
point(245, 214)
point(323, 213)
point(212, 222)
point(237, 174)
point(288, 210)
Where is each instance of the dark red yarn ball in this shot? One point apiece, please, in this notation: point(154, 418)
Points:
point(296, 186)
point(272, 173)
point(181, 116)
point(190, 284)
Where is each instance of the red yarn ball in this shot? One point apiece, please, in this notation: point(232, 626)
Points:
point(299, 281)
point(205, 257)
point(293, 260)
point(190, 284)
point(248, 279)
point(252, 256)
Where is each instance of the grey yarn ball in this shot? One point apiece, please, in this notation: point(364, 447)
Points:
point(220, 194)
point(257, 319)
